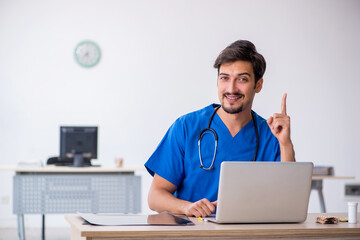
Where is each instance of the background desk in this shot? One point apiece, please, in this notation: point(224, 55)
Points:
point(44, 190)
point(317, 184)
point(207, 230)
point(54, 190)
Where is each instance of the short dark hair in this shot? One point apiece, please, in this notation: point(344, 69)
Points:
point(243, 50)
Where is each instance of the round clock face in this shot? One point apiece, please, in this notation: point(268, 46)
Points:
point(87, 53)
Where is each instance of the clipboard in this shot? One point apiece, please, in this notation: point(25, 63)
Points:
point(160, 219)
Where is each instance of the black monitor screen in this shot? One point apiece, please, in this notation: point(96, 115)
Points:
point(79, 144)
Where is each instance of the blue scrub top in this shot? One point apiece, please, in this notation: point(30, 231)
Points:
point(177, 157)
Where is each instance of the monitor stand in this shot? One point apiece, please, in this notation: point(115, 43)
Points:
point(80, 161)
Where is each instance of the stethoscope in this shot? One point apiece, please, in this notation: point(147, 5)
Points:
point(209, 130)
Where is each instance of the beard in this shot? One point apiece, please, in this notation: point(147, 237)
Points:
point(232, 109)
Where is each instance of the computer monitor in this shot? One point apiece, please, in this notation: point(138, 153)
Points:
point(78, 144)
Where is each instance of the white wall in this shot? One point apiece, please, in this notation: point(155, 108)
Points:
point(156, 65)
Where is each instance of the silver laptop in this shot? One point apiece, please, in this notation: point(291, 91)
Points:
point(263, 192)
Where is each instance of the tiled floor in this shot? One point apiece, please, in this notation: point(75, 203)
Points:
point(35, 234)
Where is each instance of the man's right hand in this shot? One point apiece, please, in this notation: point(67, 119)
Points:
point(161, 198)
point(201, 208)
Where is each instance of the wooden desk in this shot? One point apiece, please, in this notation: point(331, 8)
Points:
point(207, 230)
point(59, 190)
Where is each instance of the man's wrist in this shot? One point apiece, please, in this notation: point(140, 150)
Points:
point(184, 207)
point(286, 146)
point(287, 152)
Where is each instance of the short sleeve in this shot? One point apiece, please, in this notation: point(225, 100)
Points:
point(168, 159)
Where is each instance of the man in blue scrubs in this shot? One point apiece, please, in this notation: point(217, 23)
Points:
point(180, 185)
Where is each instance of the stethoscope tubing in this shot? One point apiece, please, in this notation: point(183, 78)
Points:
point(209, 130)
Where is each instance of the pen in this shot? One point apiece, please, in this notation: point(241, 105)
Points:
point(202, 219)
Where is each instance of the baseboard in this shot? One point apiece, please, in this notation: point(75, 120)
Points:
point(34, 221)
point(8, 221)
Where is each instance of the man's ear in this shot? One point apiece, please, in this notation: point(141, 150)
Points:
point(259, 84)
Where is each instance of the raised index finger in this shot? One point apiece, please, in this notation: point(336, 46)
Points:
point(283, 104)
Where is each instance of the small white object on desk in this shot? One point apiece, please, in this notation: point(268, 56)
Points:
point(119, 162)
point(352, 212)
point(30, 164)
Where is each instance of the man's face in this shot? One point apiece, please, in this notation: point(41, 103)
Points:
point(236, 86)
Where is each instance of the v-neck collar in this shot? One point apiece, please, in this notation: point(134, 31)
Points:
point(226, 130)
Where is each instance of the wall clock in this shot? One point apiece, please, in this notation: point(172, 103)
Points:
point(87, 54)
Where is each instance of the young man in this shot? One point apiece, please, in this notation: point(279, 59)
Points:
point(186, 164)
